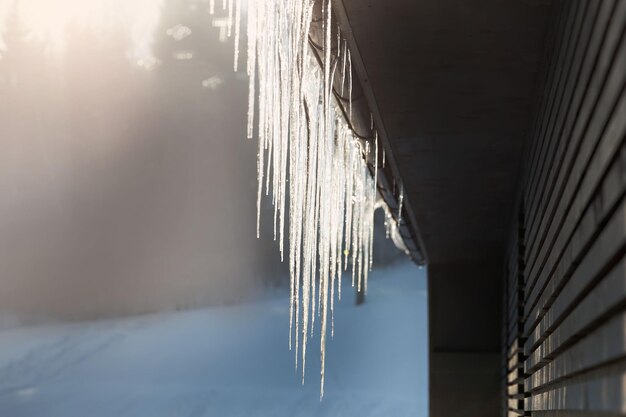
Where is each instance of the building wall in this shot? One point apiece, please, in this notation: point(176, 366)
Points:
point(564, 333)
point(464, 327)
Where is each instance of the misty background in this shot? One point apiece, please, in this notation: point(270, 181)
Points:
point(127, 183)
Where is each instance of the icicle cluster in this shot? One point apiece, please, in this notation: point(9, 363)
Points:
point(310, 160)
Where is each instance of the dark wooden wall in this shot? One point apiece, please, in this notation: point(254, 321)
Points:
point(564, 334)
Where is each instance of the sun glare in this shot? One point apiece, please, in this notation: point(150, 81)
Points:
point(50, 21)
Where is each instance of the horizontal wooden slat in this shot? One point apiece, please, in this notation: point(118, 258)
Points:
point(597, 132)
point(595, 256)
point(586, 212)
point(574, 413)
point(592, 77)
point(608, 245)
point(598, 391)
point(605, 344)
point(564, 289)
point(561, 90)
point(607, 297)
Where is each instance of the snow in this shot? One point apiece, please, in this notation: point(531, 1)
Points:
point(225, 361)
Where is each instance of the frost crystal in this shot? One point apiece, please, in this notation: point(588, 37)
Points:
point(323, 192)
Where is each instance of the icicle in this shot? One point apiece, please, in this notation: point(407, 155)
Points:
point(259, 170)
point(323, 192)
point(237, 29)
point(350, 86)
point(373, 202)
point(400, 201)
point(325, 212)
point(343, 67)
point(251, 66)
point(384, 157)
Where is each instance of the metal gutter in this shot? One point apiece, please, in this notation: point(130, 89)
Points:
point(388, 187)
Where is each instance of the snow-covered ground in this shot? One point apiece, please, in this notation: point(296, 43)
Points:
point(226, 361)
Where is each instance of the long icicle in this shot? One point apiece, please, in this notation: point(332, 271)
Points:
point(323, 193)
